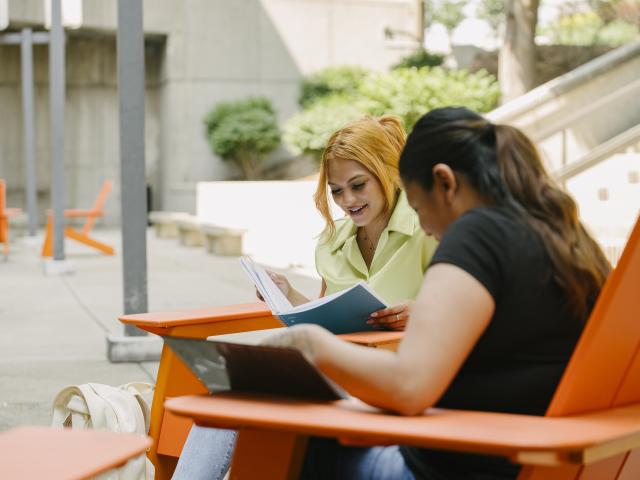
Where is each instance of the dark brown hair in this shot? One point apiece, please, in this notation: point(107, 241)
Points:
point(504, 166)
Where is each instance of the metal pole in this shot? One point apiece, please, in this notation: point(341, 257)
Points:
point(132, 161)
point(26, 59)
point(135, 345)
point(56, 100)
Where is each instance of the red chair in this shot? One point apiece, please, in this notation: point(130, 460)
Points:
point(81, 236)
point(5, 215)
point(591, 429)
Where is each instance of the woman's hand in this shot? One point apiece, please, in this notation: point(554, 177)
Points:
point(281, 282)
point(392, 318)
point(305, 338)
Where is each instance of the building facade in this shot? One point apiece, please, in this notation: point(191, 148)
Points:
point(198, 52)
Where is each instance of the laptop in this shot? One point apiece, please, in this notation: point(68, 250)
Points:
point(224, 366)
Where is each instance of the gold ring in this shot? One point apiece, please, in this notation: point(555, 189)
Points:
point(397, 317)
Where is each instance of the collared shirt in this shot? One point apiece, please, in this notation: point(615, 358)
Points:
point(400, 260)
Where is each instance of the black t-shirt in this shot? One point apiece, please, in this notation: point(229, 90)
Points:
point(517, 363)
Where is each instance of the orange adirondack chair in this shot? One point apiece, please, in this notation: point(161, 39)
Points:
point(81, 236)
point(35, 453)
point(168, 431)
point(5, 215)
point(591, 430)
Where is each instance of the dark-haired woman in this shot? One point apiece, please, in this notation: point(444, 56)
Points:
point(503, 302)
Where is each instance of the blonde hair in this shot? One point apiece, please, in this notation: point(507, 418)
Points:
point(376, 144)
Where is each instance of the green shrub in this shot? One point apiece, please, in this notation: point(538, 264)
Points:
point(329, 81)
point(308, 131)
point(406, 92)
point(588, 28)
point(243, 132)
point(410, 92)
point(420, 58)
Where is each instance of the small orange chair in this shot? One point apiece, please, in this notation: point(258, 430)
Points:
point(168, 431)
point(81, 236)
point(5, 215)
point(35, 453)
point(591, 429)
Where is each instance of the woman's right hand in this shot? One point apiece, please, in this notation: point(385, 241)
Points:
point(281, 282)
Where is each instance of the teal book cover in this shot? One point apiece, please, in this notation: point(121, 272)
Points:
point(344, 312)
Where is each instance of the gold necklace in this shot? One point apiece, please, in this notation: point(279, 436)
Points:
point(368, 240)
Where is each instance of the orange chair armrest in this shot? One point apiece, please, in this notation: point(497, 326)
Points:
point(155, 321)
point(42, 452)
point(525, 439)
point(180, 318)
point(82, 213)
point(78, 213)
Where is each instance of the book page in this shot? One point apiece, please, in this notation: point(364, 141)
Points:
point(272, 295)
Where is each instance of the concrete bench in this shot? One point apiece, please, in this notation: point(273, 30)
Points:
point(165, 223)
point(189, 231)
point(223, 240)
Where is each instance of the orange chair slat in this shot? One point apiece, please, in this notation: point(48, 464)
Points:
point(281, 455)
point(599, 366)
point(631, 468)
point(5, 215)
point(564, 472)
point(174, 434)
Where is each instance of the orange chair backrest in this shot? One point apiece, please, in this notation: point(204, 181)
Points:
point(3, 196)
point(102, 196)
point(604, 370)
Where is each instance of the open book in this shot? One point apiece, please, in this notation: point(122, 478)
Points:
point(342, 312)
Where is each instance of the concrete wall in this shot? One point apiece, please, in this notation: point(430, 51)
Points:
point(205, 51)
point(220, 50)
point(91, 121)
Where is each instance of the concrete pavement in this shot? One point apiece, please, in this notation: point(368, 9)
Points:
point(53, 329)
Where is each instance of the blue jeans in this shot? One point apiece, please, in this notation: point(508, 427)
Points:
point(327, 459)
point(207, 454)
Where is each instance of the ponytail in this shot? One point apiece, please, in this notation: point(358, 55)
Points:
point(553, 215)
point(503, 165)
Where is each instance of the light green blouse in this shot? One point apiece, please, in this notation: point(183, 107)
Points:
point(400, 260)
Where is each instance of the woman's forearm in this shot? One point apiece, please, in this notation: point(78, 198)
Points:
point(376, 376)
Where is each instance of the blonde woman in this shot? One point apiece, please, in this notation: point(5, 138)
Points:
point(379, 240)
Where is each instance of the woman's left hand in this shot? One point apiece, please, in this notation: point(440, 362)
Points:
point(392, 318)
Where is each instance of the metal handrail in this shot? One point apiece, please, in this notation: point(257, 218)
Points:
point(575, 115)
point(563, 84)
point(601, 152)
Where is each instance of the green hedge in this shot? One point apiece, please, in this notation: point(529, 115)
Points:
point(406, 92)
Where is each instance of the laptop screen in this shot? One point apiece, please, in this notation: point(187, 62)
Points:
point(224, 366)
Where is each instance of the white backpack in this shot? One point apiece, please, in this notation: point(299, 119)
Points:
point(117, 409)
